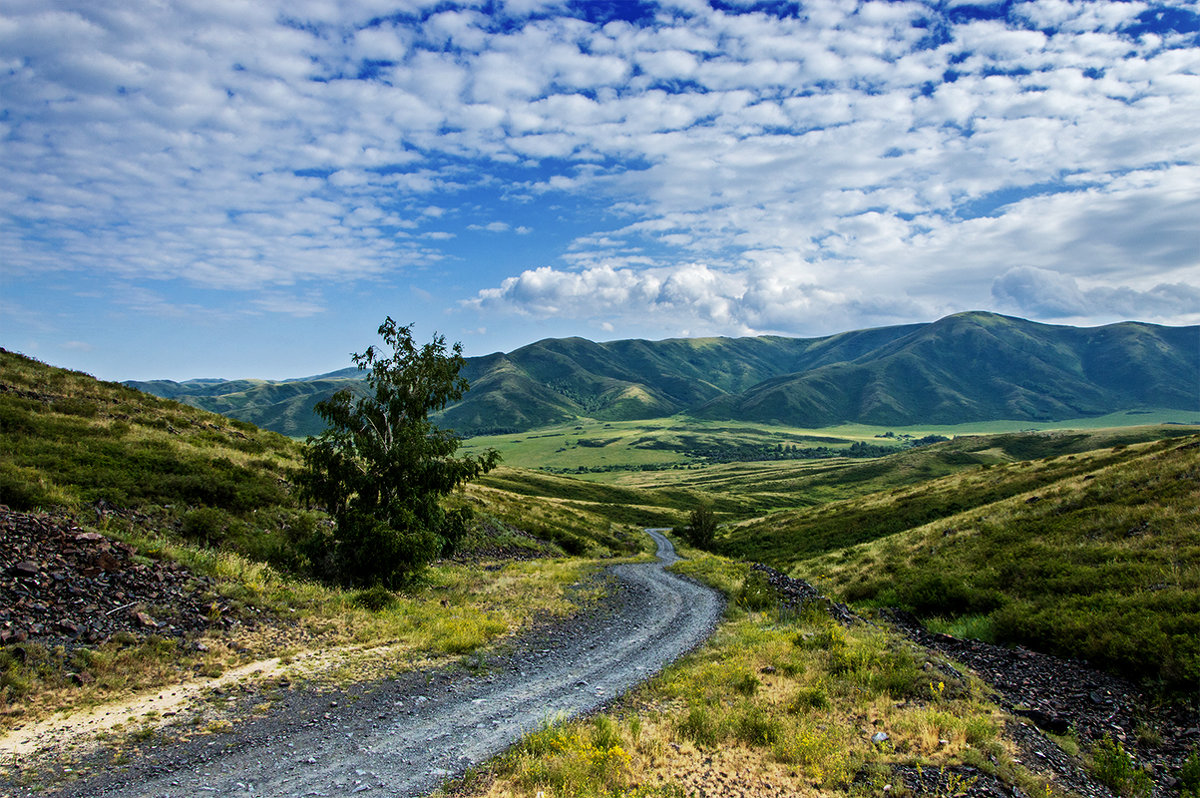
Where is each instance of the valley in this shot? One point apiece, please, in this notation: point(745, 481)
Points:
point(1025, 541)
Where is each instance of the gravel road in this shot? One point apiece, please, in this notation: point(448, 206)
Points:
point(401, 737)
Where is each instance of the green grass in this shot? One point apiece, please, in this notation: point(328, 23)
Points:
point(69, 441)
point(919, 486)
point(791, 698)
point(596, 448)
point(1100, 563)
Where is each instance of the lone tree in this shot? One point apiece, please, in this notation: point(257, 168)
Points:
point(702, 527)
point(381, 467)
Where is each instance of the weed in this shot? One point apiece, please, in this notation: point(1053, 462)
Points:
point(747, 684)
point(1189, 775)
point(374, 599)
point(756, 593)
point(810, 698)
point(1116, 768)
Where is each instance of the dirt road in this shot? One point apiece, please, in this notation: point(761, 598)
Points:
point(401, 737)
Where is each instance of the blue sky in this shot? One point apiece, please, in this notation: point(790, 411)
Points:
point(222, 188)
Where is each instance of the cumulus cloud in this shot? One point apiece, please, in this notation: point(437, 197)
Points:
point(762, 297)
point(1051, 295)
point(740, 170)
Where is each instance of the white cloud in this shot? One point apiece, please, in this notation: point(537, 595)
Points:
point(740, 170)
point(1051, 295)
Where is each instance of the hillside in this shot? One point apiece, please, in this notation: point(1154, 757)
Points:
point(72, 443)
point(963, 368)
point(1087, 554)
point(162, 514)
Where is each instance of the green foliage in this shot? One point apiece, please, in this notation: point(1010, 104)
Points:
point(381, 467)
point(1101, 563)
point(756, 593)
point(375, 599)
point(1189, 775)
point(1116, 768)
point(701, 528)
point(701, 727)
point(205, 525)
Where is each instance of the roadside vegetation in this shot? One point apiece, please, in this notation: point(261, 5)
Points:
point(1080, 543)
point(778, 702)
point(1101, 563)
point(216, 495)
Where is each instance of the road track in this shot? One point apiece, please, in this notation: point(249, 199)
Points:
point(401, 737)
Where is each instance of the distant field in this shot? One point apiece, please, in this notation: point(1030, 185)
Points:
point(617, 451)
point(665, 443)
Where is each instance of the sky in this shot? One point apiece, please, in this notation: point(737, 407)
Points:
point(226, 188)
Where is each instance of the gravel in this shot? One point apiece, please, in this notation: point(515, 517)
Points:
point(403, 736)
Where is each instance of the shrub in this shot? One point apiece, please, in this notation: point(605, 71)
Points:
point(1189, 775)
point(205, 525)
point(700, 727)
point(756, 593)
point(1116, 768)
point(701, 528)
point(375, 599)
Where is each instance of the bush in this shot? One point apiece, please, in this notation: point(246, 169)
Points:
point(205, 525)
point(1116, 768)
point(701, 528)
point(756, 593)
point(375, 599)
point(1189, 775)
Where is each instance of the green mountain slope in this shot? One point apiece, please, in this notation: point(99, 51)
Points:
point(980, 366)
point(963, 368)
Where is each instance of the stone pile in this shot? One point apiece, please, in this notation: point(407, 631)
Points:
point(795, 593)
point(1066, 696)
point(62, 585)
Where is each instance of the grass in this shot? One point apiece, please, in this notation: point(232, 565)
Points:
point(1102, 563)
point(457, 610)
point(600, 450)
point(787, 699)
point(671, 447)
point(987, 473)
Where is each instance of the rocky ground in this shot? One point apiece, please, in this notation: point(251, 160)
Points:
point(60, 585)
point(1051, 694)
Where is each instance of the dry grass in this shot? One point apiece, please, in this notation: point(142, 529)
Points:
point(324, 631)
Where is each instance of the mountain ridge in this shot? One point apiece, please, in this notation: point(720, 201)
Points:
point(970, 366)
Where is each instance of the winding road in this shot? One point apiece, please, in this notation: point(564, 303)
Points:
point(402, 737)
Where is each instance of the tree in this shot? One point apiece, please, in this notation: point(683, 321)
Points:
point(702, 527)
point(381, 467)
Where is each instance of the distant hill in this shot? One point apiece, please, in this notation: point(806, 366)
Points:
point(967, 367)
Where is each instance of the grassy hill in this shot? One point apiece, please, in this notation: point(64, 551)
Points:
point(966, 367)
point(1087, 553)
point(71, 442)
point(980, 366)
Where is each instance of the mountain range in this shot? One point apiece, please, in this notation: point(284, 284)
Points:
point(972, 366)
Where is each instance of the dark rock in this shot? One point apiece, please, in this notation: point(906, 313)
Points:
point(26, 568)
point(93, 580)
